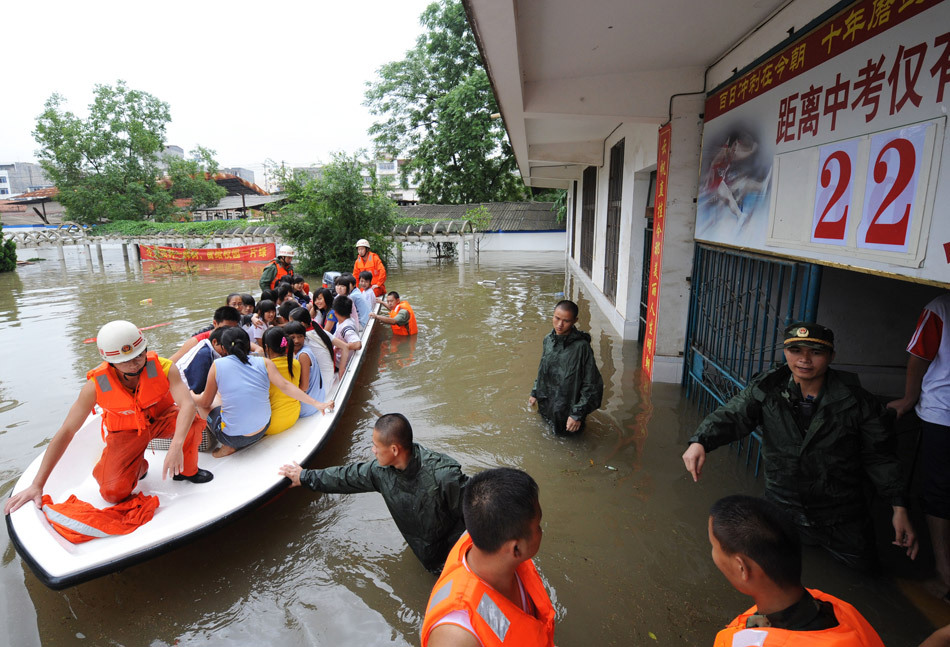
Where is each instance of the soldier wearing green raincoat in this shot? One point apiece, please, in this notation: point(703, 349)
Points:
point(824, 443)
point(568, 386)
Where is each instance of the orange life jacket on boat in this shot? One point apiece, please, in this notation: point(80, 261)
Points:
point(852, 630)
point(496, 620)
point(410, 328)
point(281, 273)
point(123, 410)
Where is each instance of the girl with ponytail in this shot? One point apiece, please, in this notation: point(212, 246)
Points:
point(284, 410)
point(241, 382)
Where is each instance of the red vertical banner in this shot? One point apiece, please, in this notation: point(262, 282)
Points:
point(656, 250)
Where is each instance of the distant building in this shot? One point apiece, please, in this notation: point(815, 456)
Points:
point(174, 151)
point(243, 173)
point(392, 170)
point(22, 177)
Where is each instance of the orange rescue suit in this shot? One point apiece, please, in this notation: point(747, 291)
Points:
point(497, 621)
point(281, 273)
point(121, 409)
point(410, 328)
point(852, 630)
point(79, 521)
point(134, 419)
point(373, 264)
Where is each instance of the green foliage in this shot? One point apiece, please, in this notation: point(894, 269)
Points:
point(436, 106)
point(192, 178)
point(325, 216)
point(7, 256)
point(558, 197)
point(479, 217)
point(106, 166)
point(147, 228)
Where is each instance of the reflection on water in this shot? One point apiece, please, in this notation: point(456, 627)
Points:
point(624, 552)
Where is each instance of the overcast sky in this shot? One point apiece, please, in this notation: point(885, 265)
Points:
point(252, 80)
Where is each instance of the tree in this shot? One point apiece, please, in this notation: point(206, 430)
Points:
point(324, 216)
point(106, 166)
point(7, 255)
point(436, 106)
point(192, 178)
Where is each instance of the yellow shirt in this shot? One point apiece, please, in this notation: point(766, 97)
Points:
point(284, 410)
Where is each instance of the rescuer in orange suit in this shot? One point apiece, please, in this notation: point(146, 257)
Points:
point(370, 262)
point(756, 547)
point(401, 317)
point(141, 399)
point(489, 593)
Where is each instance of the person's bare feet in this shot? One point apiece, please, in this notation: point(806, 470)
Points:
point(223, 451)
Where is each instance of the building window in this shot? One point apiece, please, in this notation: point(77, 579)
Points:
point(4, 191)
point(386, 166)
point(3, 179)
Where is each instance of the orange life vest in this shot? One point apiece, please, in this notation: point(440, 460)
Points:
point(372, 263)
point(281, 273)
point(123, 410)
point(852, 630)
point(496, 620)
point(410, 328)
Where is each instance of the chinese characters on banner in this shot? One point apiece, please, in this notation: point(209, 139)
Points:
point(262, 252)
point(831, 149)
point(656, 252)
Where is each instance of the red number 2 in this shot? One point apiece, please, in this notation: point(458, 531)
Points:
point(834, 230)
point(892, 233)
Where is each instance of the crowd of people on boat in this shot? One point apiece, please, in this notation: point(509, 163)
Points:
point(263, 364)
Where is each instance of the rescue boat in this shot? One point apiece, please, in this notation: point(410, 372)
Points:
point(242, 482)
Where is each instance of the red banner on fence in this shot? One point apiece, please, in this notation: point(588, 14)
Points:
point(656, 252)
point(262, 252)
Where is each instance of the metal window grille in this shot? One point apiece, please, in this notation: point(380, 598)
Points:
point(587, 218)
point(612, 248)
point(739, 307)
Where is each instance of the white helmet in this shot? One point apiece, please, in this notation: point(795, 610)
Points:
point(119, 341)
point(286, 250)
point(362, 242)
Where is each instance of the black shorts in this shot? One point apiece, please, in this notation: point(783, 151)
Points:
point(935, 461)
point(237, 442)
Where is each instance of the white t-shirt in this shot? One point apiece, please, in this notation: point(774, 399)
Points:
point(931, 342)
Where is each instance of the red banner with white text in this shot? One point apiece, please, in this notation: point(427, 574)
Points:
point(656, 251)
point(244, 253)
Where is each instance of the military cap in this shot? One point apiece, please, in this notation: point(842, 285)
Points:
point(811, 335)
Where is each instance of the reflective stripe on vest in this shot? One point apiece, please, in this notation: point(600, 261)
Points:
point(749, 638)
point(493, 616)
point(72, 524)
point(440, 595)
point(151, 370)
point(103, 382)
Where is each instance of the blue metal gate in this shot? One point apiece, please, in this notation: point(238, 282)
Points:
point(739, 307)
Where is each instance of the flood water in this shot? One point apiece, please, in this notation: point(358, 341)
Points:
point(625, 551)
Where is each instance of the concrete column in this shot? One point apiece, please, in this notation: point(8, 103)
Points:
point(678, 239)
point(125, 252)
point(99, 254)
point(59, 250)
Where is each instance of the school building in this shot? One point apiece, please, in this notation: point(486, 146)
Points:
point(733, 167)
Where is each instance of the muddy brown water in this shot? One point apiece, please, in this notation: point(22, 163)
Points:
point(625, 552)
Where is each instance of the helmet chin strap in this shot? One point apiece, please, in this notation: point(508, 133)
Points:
point(138, 372)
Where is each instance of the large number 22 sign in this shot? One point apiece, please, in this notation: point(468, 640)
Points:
point(890, 190)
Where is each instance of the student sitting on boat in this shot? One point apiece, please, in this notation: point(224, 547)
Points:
point(314, 350)
point(284, 410)
point(364, 291)
point(196, 363)
point(320, 306)
point(284, 310)
point(243, 415)
point(264, 317)
point(344, 284)
point(346, 338)
point(422, 488)
point(225, 316)
point(301, 291)
point(141, 398)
